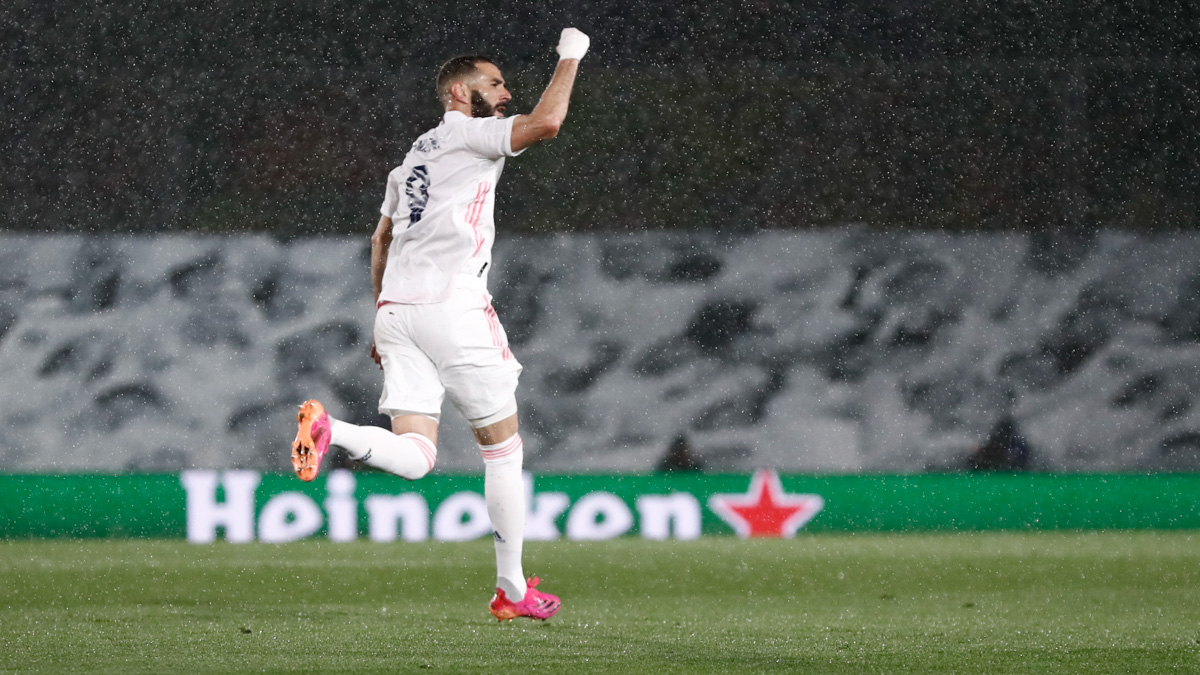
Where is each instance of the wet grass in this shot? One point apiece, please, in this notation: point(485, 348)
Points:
point(1113, 602)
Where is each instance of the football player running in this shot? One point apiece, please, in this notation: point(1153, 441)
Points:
point(435, 330)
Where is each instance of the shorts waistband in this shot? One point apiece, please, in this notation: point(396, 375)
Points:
point(461, 280)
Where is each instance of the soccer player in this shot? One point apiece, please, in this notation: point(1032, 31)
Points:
point(435, 329)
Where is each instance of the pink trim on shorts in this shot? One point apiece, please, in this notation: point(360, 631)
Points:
point(475, 211)
point(507, 448)
point(497, 331)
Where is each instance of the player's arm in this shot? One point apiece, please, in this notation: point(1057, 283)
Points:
point(547, 117)
point(381, 242)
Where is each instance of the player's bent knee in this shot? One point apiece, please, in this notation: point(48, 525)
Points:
point(417, 423)
point(428, 451)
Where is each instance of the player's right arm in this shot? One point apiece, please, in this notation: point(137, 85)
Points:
point(547, 117)
point(381, 242)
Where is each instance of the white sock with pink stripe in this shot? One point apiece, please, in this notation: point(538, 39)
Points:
point(504, 491)
point(408, 455)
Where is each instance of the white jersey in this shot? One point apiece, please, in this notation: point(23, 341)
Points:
point(441, 202)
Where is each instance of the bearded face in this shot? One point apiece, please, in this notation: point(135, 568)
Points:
point(481, 108)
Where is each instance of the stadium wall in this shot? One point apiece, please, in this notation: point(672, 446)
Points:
point(833, 351)
point(245, 506)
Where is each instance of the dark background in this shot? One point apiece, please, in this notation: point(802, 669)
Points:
point(221, 116)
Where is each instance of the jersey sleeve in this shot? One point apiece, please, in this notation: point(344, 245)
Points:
point(490, 137)
point(391, 195)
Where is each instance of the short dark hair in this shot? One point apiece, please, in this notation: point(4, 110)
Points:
point(457, 68)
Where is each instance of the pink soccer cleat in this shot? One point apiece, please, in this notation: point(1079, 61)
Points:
point(312, 440)
point(536, 605)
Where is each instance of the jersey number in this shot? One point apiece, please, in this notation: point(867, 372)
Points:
point(417, 189)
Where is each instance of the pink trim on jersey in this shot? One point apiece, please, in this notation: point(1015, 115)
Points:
point(497, 331)
point(475, 211)
point(503, 449)
point(427, 449)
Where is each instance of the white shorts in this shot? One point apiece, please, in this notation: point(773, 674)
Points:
point(457, 346)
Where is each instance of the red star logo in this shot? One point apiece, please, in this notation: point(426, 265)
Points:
point(766, 510)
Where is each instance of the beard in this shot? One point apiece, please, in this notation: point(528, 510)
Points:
point(481, 108)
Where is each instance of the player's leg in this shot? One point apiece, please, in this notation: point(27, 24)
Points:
point(480, 374)
point(409, 450)
point(412, 397)
point(504, 490)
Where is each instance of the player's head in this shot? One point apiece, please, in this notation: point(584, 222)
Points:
point(473, 84)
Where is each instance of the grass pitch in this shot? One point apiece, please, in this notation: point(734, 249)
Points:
point(1111, 602)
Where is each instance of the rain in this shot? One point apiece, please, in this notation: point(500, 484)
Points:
point(822, 239)
point(774, 246)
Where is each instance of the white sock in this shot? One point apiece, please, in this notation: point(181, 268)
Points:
point(410, 455)
point(504, 491)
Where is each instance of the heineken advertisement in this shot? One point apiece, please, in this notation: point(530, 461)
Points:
point(243, 506)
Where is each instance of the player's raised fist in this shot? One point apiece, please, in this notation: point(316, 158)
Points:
point(572, 44)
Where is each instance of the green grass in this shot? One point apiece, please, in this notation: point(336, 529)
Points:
point(1112, 602)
